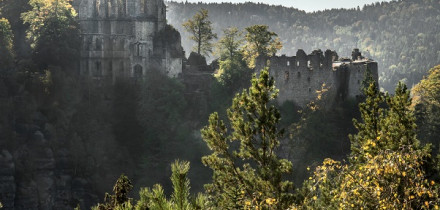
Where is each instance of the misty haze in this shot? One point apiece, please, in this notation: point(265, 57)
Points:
point(153, 104)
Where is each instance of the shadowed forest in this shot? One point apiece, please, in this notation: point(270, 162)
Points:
point(214, 137)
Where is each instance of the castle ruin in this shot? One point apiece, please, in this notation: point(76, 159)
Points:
point(300, 77)
point(126, 38)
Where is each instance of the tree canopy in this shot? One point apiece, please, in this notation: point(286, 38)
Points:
point(6, 44)
point(200, 28)
point(53, 32)
point(259, 42)
point(426, 104)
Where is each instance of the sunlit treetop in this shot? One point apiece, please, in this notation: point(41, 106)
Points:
point(47, 10)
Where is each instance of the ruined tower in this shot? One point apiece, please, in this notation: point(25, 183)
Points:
point(121, 39)
point(300, 77)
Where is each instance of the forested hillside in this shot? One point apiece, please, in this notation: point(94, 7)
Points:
point(402, 36)
point(65, 136)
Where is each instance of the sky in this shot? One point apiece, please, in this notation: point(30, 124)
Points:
point(307, 5)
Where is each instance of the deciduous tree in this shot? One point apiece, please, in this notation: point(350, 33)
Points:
point(6, 44)
point(259, 42)
point(53, 32)
point(233, 72)
point(200, 28)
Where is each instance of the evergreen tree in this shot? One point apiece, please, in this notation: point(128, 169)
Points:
point(388, 168)
point(155, 198)
point(200, 28)
point(371, 112)
point(246, 169)
point(120, 199)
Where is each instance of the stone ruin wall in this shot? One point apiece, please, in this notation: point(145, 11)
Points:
point(118, 39)
point(299, 77)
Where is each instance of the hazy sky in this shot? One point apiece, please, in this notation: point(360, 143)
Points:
point(307, 5)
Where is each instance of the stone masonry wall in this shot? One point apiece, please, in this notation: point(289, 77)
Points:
point(118, 38)
point(300, 77)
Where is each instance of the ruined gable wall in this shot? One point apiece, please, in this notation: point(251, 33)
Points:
point(299, 77)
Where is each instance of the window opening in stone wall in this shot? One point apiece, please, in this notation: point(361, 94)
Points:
point(121, 68)
point(98, 44)
point(288, 63)
point(88, 43)
point(310, 90)
point(308, 79)
point(308, 64)
point(286, 75)
point(297, 63)
point(98, 71)
point(299, 74)
point(110, 69)
point(121, 45)
point(138, 71)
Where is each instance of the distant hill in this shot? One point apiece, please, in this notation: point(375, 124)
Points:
point(402, 36)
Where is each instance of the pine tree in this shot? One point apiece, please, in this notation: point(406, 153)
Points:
point(120, 199)
point(388, 168)
point(371, 112)
point(246, 169)
point(155, 199)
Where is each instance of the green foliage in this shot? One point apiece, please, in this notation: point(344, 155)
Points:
point(200, 28)
point(228, 46)
point(426, 105)
point(246, 169)
point(232, 72)
point(180, 199)
point(402, 36)
point(371, 112)
point(6, 44)
point(259, 42)
point(388, 168)
point(120, 199)
point(53, 32)
point(155, 199)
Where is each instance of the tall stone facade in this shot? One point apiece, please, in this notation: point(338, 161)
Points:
point(124, 39)
point(300, 77)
